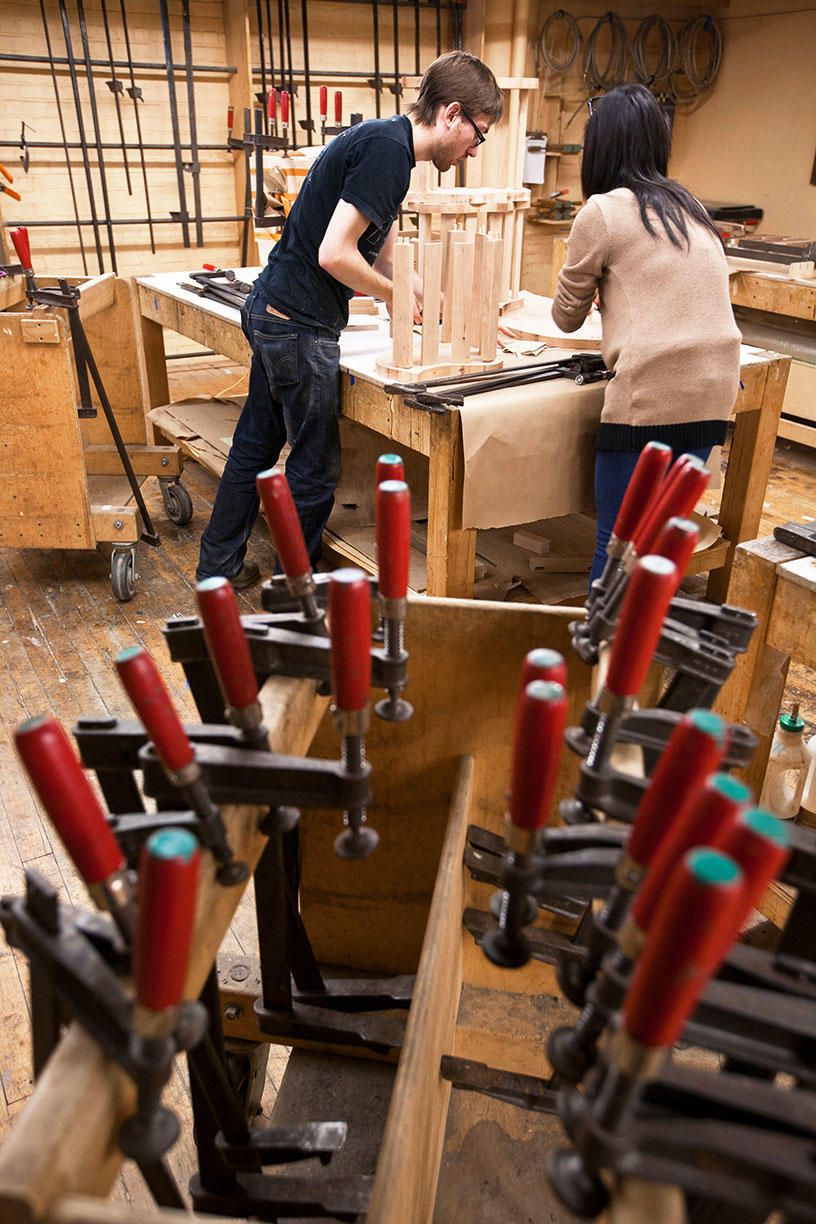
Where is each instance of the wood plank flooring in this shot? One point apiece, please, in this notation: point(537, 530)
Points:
point(60, 628)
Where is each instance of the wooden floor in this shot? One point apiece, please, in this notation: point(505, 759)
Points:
point(60, 628)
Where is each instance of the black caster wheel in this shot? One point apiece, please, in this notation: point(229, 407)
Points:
point(178, 505)
point(569, 1059)
point(580, 1190)
point(123, 575)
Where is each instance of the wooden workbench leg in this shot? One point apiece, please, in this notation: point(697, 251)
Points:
point(753, 692)
point(749, 465)
point(152, 365)
point(451, 548)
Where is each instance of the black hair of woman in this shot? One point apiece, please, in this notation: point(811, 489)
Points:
point(627, 140)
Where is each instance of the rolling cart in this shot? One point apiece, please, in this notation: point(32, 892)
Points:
point(75, 449)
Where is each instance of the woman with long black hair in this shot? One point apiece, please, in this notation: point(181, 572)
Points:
point(648, 249)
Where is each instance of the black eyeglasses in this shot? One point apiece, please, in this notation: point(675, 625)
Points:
point(591, 102)
point(478, 133)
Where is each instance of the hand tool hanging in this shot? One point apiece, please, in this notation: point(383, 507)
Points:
point(67, 297)
point(82, 139)
point(86, 52)
point(263, 96)
point(64, 137)
point(174, 121)
point(307, 123)
point(116, 87)
point(291, 86)
point(15, 195)
point(194, 166)
point(135, 94)
point(397, 86)
point(375, 19)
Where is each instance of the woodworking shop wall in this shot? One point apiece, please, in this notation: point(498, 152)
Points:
point(754, 139)
point(42, 93)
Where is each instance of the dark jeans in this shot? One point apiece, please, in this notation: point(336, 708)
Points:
point(294, 396)
point(613, 470)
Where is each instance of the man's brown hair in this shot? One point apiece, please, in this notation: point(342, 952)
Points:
point(459, 77)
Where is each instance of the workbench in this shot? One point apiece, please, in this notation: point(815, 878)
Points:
point(778, 583)
point(441, 437)
point(774, 308)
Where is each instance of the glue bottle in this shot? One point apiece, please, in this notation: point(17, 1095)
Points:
point(787, 767)
point(807, 813)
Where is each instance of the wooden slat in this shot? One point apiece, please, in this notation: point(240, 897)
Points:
point(408, 1167)
point(145, 460)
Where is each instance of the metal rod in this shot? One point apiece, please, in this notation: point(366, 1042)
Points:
point(16, 58)
point(263, 63)
point(305, 34)
point(64, 141)
point(273, 131)
point(247, 189)
point(286, 16)
point(438, 28)
point(281, 40)
point(259, 191)
point(135, 95)
point(81, 126)
point(377, 82)
point(171, 85)
point(195, 167)
point(83, 30)
point(417, 38)
point(395, 8)
point(115, 85)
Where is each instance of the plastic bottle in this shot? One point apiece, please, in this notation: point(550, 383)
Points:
point(787, 767)
point(807, 812)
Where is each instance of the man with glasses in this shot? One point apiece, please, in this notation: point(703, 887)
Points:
point(337, 240)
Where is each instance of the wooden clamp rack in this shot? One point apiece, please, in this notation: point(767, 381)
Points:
point(61, 478)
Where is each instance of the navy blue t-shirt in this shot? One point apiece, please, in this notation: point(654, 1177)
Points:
point(369, 166)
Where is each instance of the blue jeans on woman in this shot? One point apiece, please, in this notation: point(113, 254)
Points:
point(613, 471)
point(294, 396)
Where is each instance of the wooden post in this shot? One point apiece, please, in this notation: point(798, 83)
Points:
point(431, 300)
point(491, 300)
point(461, 291)
point(402, 306)
point(447, 231)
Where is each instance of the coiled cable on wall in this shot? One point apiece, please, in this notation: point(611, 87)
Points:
point(690, 37)
point(667, 54)
point(620, 52)
point(563, 65)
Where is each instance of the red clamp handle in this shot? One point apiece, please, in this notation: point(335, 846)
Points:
point(324, 103)
point(66, 794)
point(284, 101)
point(648, 595)
point(230, 118)
point(541, 716)
point(281, 515)
point(677, 541)
point(272, 104)
point(151, 701)
point(226, 641)
point(349, 651)
point(715, 808)
point(759, 843)
point(338, 106)
point(21, 245)
point(392, 512)
point(681, 491)
point(650, 469)
point(694, 751)
point(389, 467)
point(168, 881)
point(695, 925)
point(543, 664)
